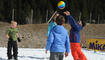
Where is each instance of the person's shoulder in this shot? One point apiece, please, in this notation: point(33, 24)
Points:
point(55, 23)
point(79, 27)
point(15, 29)
point(51, 23)
point(54, 27)
point(65, 30)
point(9, 28)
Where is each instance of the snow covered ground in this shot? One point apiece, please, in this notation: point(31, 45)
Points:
point(39, 54)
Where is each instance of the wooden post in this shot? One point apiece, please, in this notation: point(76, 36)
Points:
point(98, 19)
point(46, 16)
point(80, 16)
point(90, 17)
point(12, 14)
point(31, 20)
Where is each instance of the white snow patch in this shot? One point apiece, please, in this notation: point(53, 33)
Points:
point(39, 54)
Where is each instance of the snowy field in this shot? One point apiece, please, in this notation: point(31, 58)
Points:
point(39, 54)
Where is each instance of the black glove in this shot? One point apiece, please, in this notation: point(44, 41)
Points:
point(19, 40)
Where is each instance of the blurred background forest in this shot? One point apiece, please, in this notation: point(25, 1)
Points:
point(39, 11)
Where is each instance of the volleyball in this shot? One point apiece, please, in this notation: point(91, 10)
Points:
point(61, 5)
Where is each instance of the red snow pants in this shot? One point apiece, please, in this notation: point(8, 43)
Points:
point(76, 52)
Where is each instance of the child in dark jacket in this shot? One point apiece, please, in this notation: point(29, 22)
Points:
point(58, 41)
point(75, 37)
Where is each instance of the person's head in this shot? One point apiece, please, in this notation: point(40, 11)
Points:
point(81, 23)
point(60, 20)
point(13, 24)
point(55, 16)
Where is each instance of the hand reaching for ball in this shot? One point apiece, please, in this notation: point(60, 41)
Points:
point(67, 13)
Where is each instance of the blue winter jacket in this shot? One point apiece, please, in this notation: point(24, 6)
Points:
point(58, 40)
point(75, 30)
point(51, 25)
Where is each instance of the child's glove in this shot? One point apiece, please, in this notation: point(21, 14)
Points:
point(19, 40)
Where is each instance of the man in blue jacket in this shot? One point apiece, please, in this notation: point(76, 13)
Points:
point(75, 37)
point(58, 41)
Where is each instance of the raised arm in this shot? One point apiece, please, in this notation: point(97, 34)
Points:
point(49, 28)
point(51, 25)
point(72, 21)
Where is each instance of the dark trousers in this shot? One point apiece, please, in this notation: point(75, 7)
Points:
point(12, 46)
point(56, 55)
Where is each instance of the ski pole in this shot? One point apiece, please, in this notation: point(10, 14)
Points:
point(52, 16)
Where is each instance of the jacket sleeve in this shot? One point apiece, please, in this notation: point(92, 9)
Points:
point(50, 40)
point(67, 44)
point(73, 23)
point(51, 25)
point(49, 28)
